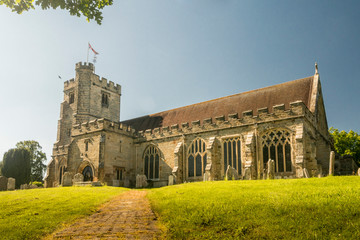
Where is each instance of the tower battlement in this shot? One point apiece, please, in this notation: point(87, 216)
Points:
point(81, 65)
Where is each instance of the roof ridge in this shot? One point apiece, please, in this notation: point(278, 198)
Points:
point(232, 95)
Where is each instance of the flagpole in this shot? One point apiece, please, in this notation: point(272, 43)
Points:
point(87, 58)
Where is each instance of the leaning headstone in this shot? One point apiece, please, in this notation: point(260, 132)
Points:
point(306, 173)
point(332, 163)
point(11, 184)
point(206, 176)
point(3, 183)
point(78, 178)
point(67, 179)
point(171, 180)
point(270, 169)
point(247, 174)
point(231, 173)
point(141, 181)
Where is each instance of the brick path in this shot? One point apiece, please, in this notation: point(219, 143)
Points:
point(128, 216)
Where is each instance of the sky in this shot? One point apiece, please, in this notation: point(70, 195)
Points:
point(167, 54)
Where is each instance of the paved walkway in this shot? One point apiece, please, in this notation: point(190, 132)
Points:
point(128, 216)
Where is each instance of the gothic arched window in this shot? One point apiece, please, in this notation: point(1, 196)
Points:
point(232, 153)
point(196, 158)
point(276, 145)
point(152, 162)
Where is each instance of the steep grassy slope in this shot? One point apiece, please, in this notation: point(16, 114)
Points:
point(325, 208)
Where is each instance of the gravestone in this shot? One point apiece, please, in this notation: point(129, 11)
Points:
point(78, 178)
point(171, 180)
point(116, 183)
point(206, 176)
point(11, 184)
point(247, 174)
point(231, 173)
point(141, 181)
point(306, 173)
point(67, 179)
point(3, 183)
point(24, 186)
point(358, 172)
point(332, 163)
point(270, 169)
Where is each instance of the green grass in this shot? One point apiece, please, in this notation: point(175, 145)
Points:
point(325, 208)
point(31, 214)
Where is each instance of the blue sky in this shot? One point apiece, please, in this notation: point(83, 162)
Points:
point(168, 54)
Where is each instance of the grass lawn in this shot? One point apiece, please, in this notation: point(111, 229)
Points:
point(315, 208)
point(32, 214)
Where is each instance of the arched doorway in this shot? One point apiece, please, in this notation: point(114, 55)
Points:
point(88, 174)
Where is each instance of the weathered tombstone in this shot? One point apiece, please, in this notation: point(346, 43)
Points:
point(11, 184)
point(270, 169)
point(3, 183)
point(358, 172)
point(332, 163)
point(231, 173)
point(24, 186)
point(206, 176)
point(78, 178)
point(141, 181)
point(116, 183)
point(306, 173)
point(247, 174)
point(171, 180)
point(67, 179)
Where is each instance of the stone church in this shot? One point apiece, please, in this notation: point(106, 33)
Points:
point(285, 122)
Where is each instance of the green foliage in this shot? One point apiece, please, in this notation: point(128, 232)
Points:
point(346, 143)
point(34, 213)
point(314, 208)
point(16, 164)
point(39, 184)
point(37, 159)
point(91, 9)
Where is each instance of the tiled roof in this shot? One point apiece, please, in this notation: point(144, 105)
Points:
point(285, 93)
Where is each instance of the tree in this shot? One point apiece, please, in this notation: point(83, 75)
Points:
point(91, 9)
point(37, 159)
point(16, 164)
point(346, 143)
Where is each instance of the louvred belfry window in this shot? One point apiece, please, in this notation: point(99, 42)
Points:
point(196, 158)
point(276, 145)
point(152, 162)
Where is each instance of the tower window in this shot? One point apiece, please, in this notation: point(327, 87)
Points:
point(105, 99)
point(71, 98)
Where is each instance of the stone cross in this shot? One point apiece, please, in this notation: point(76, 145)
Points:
point(11, 184)
point(332, 163)
point(271, 169)
point(3, 183)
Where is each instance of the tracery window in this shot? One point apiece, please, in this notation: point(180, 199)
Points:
point(276, 145)
point(232, 153)
point(152, 162)
point(196, 158)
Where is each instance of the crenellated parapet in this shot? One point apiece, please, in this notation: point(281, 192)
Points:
point(277, 113)
point(105, 84)
point(85, 65)
point(102, 125)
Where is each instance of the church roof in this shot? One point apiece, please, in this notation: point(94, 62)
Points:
point(284, 93)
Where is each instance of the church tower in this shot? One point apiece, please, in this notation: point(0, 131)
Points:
point(87, 97)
